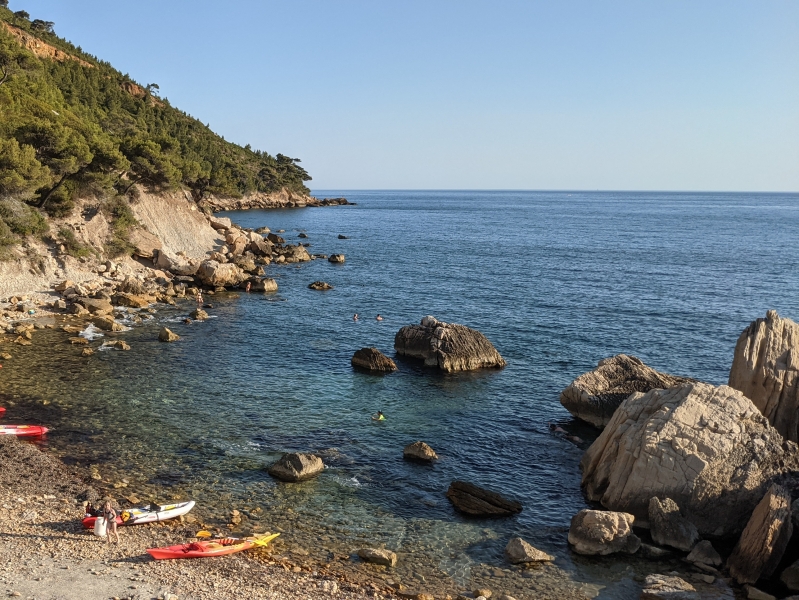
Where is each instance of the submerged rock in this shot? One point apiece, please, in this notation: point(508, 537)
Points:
point(320, 286)
point(295, 466)
point(336, 258)
point(707, 448)
point(518, 551)
point(198, 314)
point(668, 587)
point(378, 556)
point(419, 451)
point(479, 502)
point(765, 367)
point(448, 346)
point(372, 359)
point(765, 538)
point(595, 396)
point(603, 532)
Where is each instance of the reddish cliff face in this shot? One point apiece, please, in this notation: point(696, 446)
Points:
point(40, 48)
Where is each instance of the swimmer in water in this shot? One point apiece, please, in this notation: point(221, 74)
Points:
point(378, 416)
point(556, 428)
point(378, 318)
point(355, 317)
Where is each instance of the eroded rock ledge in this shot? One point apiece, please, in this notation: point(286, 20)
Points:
point(595, 396)
point(281, 199)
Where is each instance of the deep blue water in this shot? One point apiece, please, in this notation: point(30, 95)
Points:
point(556, 280)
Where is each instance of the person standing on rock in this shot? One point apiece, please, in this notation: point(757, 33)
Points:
point(199, 298)
point(110, 517)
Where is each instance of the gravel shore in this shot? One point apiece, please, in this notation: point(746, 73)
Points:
point(46, 554)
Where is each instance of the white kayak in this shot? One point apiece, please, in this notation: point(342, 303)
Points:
point(136, 516)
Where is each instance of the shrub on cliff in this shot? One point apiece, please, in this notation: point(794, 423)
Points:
point(78, 127)
point(21, 218)
point(122, 221)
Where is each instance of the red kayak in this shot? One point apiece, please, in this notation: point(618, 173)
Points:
point(2, 412)
point(212, 547)
point(23, 430)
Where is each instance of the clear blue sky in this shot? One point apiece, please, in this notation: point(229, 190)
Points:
point(671, 95)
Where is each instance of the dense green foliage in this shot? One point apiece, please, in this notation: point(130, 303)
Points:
point(68, 129)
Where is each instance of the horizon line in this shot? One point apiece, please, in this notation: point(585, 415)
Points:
point(554, 190)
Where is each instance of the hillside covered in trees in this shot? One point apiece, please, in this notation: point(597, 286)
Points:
point(72, 126)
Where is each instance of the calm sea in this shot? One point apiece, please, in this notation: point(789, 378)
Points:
point(556, 280)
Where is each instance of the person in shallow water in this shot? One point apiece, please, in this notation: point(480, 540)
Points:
point(378, 416)
point(355, 317)
point(378, 317)
point(110, 517)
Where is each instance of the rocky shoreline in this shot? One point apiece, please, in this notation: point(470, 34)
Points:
point(697, 465)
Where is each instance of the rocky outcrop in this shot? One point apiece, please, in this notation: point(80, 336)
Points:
point(603, 532)
point(668, 587)
point(707, 448)
point(294, 466)
point(420, 452)
point(167, 335)
point(448, 346)
point(280, 199)
point(378, 556)
point(518, 551)
point(595, 396)
point(336, 258)
point(669, 527)
point(145, 244)
point(198, 314)
point(267, 285)
point(763, 541)
point(478, 502)
point(765, 368)
point(372, 359)
point(320, 286)
point(216, 274)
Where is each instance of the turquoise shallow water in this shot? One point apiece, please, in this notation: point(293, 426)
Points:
point(556, 281)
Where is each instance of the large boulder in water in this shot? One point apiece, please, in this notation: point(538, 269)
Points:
point(765, 368)
point(448, 346)
point(215, 274)
point(294, 466)
point(595, 396)
point(707, 448)
point(478, 502)
point(669, 527)
point(372, 359)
